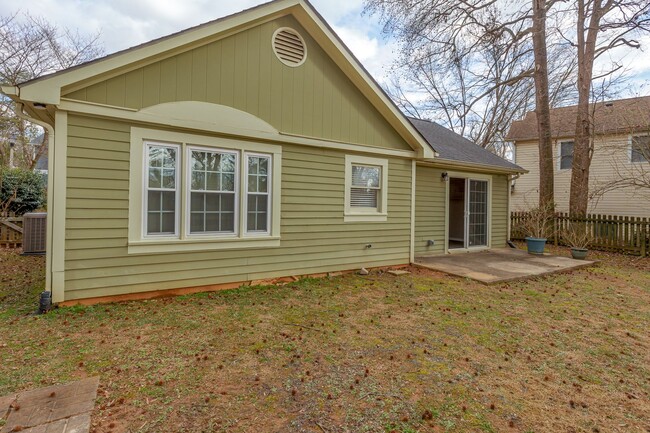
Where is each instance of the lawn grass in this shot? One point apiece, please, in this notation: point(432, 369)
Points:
point(417, 353)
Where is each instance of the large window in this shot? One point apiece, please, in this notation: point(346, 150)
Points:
point(366, 189)
point(194, 192)
point(640, 151)
point(566, 155)
point(212, 191)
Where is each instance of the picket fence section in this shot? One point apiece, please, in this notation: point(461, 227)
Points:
point(615, 233)
point(11, 231)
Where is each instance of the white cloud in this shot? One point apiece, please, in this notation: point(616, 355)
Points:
point(125, 23)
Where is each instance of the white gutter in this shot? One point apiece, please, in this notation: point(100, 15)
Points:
point(50, 187)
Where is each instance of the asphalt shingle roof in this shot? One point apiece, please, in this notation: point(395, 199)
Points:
point(454, 147)
point(621, 116)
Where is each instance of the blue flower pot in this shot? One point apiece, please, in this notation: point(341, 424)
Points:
point(579, 253)
point(535, 245)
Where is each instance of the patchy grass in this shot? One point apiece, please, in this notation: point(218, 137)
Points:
point(417, 353)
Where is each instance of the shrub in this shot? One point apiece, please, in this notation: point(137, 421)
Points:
point(21, 191)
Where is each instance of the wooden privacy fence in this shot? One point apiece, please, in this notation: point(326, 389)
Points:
point(11, 231)
point(621, 234)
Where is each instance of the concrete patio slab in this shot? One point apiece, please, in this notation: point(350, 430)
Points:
point(500, 265)
point(55, 409)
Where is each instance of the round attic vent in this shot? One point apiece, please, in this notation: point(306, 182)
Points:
point(289, 47)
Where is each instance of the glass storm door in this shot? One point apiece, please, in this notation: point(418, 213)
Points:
point(477, 213)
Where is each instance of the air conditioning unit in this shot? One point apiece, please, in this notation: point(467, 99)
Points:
point(34, 233)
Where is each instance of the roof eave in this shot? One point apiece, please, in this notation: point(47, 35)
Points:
point(486, 168)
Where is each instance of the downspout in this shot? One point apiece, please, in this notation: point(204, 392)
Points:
point(511, 178)
point(50, 190)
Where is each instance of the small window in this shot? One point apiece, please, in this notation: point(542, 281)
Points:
point(366, 186)
point(366, 189)
point(162, 190)
point(258, 192)
point(566, 155)
point(213, 178)
point(640, 149)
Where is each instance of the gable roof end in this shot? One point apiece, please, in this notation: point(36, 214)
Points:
point(47, 89)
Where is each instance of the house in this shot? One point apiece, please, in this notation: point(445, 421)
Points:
point(41, 165)
point(621, 151)
point(251, 147)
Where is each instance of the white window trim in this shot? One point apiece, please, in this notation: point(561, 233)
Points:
point(188, 191)
point(351, 214)
point(269, 193)
point(145, 189)
point(139, 244)
point(559, 155)
point(629, 149)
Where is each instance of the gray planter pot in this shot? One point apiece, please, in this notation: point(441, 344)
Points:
point(579, 253)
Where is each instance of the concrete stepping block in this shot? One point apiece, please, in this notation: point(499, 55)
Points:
point(54, 409)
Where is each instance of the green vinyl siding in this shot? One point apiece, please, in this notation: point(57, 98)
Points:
point(430, 202)
point(430, 210)
point(314, 238)
point(315, 99)
point(500, 191)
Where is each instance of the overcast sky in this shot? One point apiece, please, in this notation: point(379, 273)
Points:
point(125, 23)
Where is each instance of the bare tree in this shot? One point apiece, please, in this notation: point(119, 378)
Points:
point(601, 26)
point(31, 47)
point(477, 64)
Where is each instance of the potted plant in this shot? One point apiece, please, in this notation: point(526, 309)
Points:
point(536, 225)
point(578, 238)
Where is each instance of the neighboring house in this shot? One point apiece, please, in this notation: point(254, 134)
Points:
point(621, 143)
point(41, 163)
point(251, 147)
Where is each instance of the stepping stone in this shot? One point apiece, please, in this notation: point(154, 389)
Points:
point(398, 272)
point(54, 409)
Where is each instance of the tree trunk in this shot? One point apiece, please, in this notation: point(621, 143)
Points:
point(579, 195)
point(542, 108)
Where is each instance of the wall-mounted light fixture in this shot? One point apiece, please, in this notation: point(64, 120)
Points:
point(40, 106)
point(444, 176)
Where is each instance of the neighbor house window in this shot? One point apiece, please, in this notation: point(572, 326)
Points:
point(213, 197)
point(366, 184)
point(258, 170)
point(161, 190)
point(566, 155)
point(640, 149)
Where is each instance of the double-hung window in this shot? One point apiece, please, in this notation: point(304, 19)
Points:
point(566, 155)
point(366, 189)
point(162, 187)
point(258, 171)
point(640, 151)
point(195, 192)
